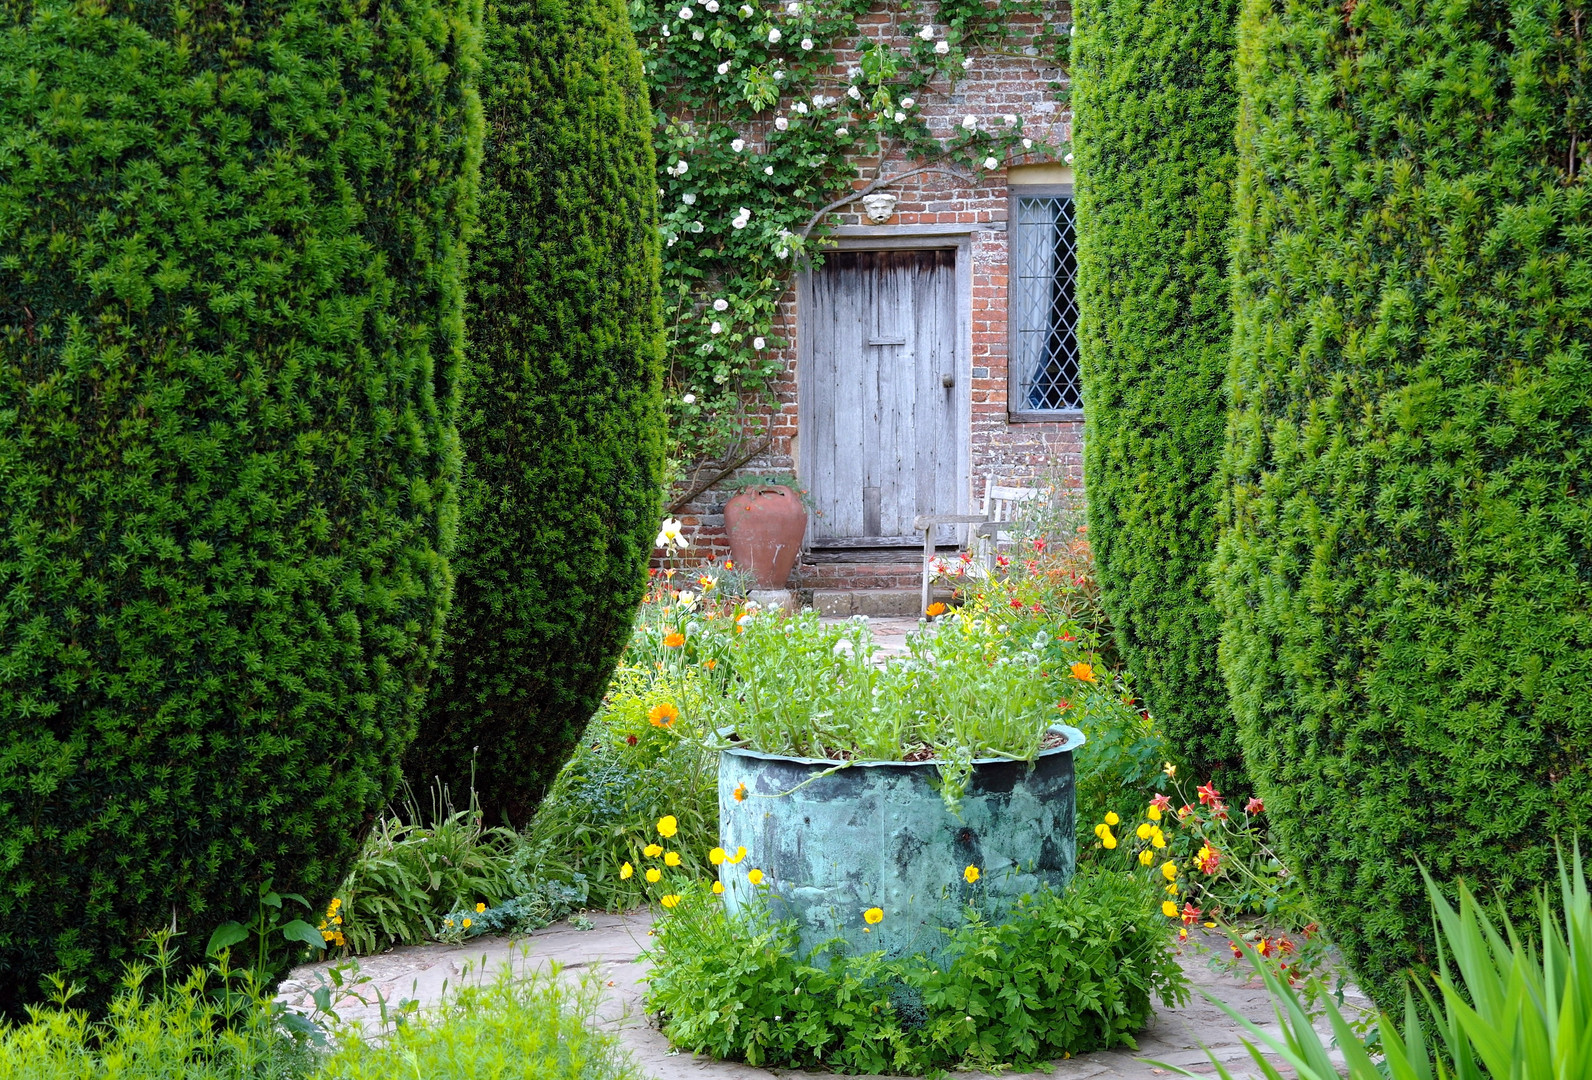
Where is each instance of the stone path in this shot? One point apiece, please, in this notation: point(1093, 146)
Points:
point(612, 951)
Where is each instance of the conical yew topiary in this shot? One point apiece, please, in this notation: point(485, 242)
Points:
point(230, 325)
point(1405, 573)
point(563, 421)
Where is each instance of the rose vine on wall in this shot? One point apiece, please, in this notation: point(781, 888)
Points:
point(762, 130)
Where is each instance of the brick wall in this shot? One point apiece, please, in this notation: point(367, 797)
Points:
point(994, 86)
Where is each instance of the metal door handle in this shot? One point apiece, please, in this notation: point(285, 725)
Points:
point(948, 380)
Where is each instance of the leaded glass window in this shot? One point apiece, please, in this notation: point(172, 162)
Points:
point(1043, 307)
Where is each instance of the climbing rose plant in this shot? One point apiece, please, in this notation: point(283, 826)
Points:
point(761, 130)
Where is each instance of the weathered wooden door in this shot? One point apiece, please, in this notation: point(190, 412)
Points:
point(884, 405)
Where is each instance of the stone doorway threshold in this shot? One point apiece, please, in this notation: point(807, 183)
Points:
point(612, 951)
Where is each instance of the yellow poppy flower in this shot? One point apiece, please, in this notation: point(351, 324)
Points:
point(1144, 830)
point(671, 858)
point(716, 856)
point(668, 826)
point(1153, 813)
point(1108, 841)
point(970, 875)
point(873, 916)
point(740, 853)
point(755, 876)
point(718, 887)
point(653, 875)
point(1169, 909)
point(1158, 839)
point(1112, 819)
point(670, 900)
point(1145, 857)
point(652, 851)
point(625, 871)
point(1169, 871)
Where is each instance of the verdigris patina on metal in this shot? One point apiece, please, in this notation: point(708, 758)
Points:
point(832, 843)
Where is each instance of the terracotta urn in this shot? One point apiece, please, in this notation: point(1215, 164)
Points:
point(766, 524)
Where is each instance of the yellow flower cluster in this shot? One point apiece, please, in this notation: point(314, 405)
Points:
point(668, 827)
point(331, 927)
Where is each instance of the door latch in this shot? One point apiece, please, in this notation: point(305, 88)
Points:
point(948, 380)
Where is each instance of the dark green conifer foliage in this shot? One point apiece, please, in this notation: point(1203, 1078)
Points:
point(563, 418)
point(1405, 570)
point(231, 293)
point(1154, 109)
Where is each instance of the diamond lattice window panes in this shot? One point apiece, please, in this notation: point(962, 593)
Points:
point(1044, 312)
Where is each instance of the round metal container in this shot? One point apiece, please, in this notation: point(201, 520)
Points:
point(877, 834)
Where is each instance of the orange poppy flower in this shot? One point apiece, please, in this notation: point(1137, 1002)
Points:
point(1083, 672)
point(677, 639)
point(663, 715)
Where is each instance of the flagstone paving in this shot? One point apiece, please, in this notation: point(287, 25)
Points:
point(612, 951)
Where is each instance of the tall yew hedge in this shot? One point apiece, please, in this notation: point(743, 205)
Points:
point(563, 422)
point(1406, 566)
point(1154, 109)
point(230, 328)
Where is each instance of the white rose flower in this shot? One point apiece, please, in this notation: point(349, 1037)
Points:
point(690, 399)
point(854, 94)
point(927, 33)
point(793, 9)
point(842, 131)
point(671, 242)
point(712, 6)
point(1068, 159)
point(724, 68)
point(780, 123)
point(697, 35)
point(774, 35)
point(1010, 120)
point(696, 226)
point(907, 103)
point(737, 145)
point(716, 328)
point(758, 343)
point(799, 107)
point(741, 220)
point(970, 122)
point(779, 76)
point(746, 11)
point(807, 43)
point(819, 101)
point(665, 30)
point(991, 163)
point(900, 116)
point(768, 170)
point(1028, 144)
point(721, 304)
point(686, 12)
point(967, 63)
point(689, 198)
point(942, 47)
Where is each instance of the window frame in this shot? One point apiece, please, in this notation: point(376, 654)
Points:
point(1014, 382)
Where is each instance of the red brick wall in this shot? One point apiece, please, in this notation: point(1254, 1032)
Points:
point(994, 86)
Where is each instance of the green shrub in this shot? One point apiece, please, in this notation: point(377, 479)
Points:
point(230, 299)
point(1504, 1006)
point(1404, 570)
point(562, 425)
point(515, 1025)
point(1154, 113)
point(1071, 972)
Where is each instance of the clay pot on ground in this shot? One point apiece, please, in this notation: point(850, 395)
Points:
point(766, 524)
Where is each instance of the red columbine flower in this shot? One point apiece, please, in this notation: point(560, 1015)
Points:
point(1191, 914)
point(1016, 603)
point(1264, 948)
point(967, 556)
point(1164, 802)
point(1208, 794)
point(1068, 637)
point(1253, 807)
point(1184, 811)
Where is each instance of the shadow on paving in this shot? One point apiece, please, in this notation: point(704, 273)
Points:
point(612, 951)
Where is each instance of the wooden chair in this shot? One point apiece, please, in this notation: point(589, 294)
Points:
point(1000, 513)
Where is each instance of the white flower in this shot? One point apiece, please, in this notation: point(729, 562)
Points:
point(746, 11)
point(970, 122)
point(927, 33)
point(941, 48)
point(669, 535)
point(721, 304)
point(1068, 159)
point(854, 94)
point(687, 599)
point(793, 9)
point(716, 328)
point(768, 170)
point(737, 145)
point(690, 399)
point(724, 68)
point(774, 35)
point(967, 63)
point(1028, 144)
point(758, 343)
point(1010, 120)
point(681, 167)
point(686, 12)
point(742, 217)
point(779, 76)
point(991, 163)
point(900, 116)
point(672, 239)
point(799, 107)
point(819, 101)
point(807, 43)
point(907, 103)
point(697, 35)
point(842, 131)
point(696, 226)
point(712, 6)
point(689, 198)
point(780, 123)
point(665, 30)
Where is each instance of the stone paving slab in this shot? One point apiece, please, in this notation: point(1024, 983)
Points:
point(612, 950)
